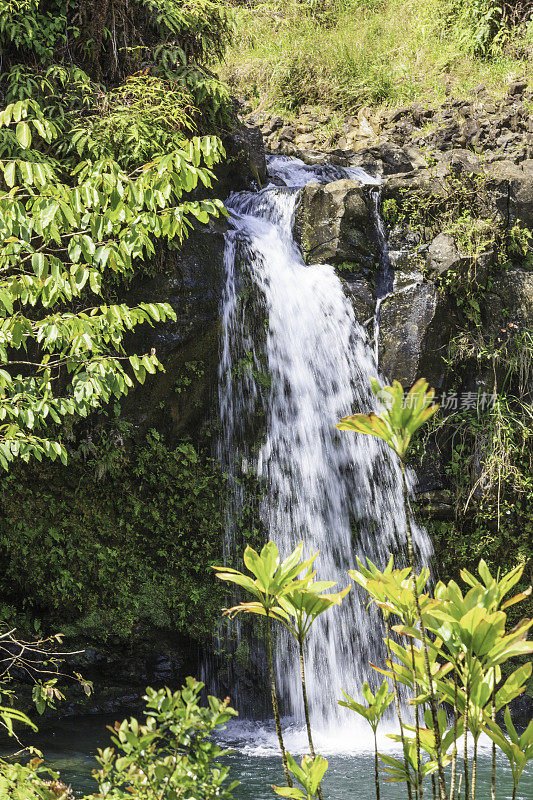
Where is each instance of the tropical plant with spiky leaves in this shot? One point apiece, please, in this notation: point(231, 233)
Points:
point(469, 645)
point(370, 578)
point(421, 739)
point(309, 775)
point(302, 607)
point(470, 642)
point(471, 635)
point(391, 590)
point(517, 748)
point(272, 581)
point(300, 604)
point(496, 589)
point(373, 713)
point(401, 415)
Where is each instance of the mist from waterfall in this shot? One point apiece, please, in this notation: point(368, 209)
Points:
point(338, 492)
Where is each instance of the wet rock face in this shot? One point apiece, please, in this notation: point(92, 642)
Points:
point(404, 321)
point(191, 279)
point(245, 165)
point(437, 504)
point(363, 300)
point(335, 223)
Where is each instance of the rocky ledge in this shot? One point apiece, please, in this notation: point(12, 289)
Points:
point(502, 128)
point(457, 203)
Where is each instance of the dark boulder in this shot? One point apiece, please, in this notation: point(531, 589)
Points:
point(404, 320)
point(245, 164)
point(335, 223)
point(442, 255)
point(422, 181)
point(510, 191)
point(437, 504)
point(458, 162)
point(362, 297)
point(191, 279)
point(510, 298)
point(394, 159)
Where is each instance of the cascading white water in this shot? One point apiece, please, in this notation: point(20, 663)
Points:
point(339, 492)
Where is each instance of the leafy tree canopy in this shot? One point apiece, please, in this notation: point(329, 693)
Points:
point(91, 174)
point(74, 47)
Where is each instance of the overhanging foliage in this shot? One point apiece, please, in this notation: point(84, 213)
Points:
point(89, 179)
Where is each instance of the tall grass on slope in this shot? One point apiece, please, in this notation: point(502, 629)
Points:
point(365, 52)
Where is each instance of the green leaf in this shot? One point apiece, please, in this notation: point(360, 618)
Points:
point(9, 173)
point(23, 134)
point(286, 791)
point(38, 264)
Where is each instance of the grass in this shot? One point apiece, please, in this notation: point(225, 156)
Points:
point(372, 53)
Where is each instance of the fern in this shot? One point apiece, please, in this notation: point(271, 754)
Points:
point(482, 27)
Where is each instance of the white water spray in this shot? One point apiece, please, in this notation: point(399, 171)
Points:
point(339, 492)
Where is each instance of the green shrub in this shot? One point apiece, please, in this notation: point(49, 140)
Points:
point(484, 27)
point(42, 41)
point(143, 118)
point(171, 754)
point(32, 781)
point(115, 544)
point(488, 458)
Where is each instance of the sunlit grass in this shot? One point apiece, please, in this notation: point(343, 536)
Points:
point(377, 52)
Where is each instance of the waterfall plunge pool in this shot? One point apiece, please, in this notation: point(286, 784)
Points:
point(69, 746)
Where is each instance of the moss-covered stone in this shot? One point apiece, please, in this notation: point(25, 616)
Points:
point(335, 223)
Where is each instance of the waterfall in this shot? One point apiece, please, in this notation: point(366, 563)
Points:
point(294, 360)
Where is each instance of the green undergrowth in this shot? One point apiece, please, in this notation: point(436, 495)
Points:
point(367, 52)
point(461, 206)
point(487, 452)
point(116, 544)
point(490, 474)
